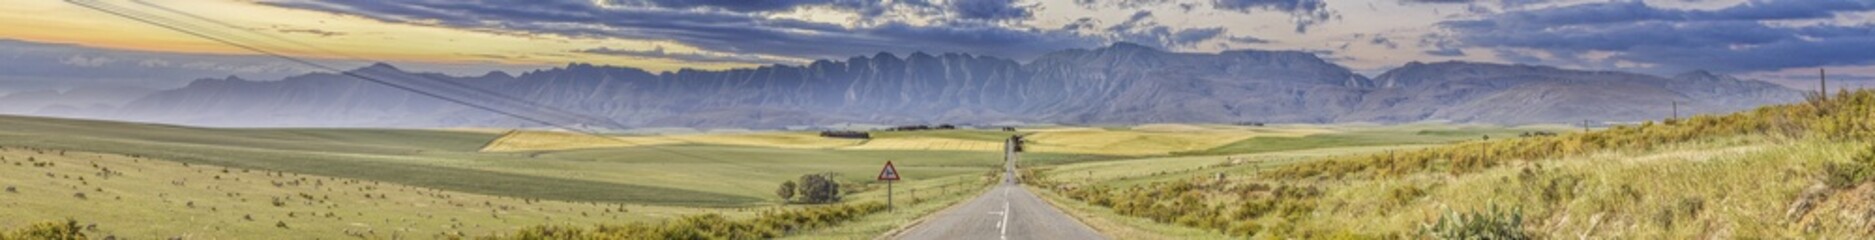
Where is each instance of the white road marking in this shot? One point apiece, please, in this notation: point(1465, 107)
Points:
point(1004, 225)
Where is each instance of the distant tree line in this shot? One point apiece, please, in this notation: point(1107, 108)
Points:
point(846, 134)
point(922, 127)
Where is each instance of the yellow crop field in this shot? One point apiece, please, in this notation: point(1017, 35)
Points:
point(928, 143)
point(544, 141)
point(795, 140)
point(1154, 139)
point(1136, 143)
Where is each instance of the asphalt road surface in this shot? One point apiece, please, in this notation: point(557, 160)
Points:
point(1008, 211)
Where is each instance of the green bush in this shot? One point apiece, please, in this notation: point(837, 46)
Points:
point(68, 229)
point(1860, 168)
point(1493, 223)
point(767, 225)
point(819, 188)
point(786, 191)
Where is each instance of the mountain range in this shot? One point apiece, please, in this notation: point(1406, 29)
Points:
point(1119, 84)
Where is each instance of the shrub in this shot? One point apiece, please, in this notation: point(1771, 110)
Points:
point(1493, 223)
point(1405, 194)
point(786, 191)
point(767, 225)
point(68, 229)
point(1860, 168)
point(819, 188)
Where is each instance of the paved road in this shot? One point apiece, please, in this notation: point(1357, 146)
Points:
point(1008, 211)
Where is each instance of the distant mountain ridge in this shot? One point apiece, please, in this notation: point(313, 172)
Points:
point(1119, 84)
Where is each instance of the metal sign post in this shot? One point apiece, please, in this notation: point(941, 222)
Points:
point(889, 175)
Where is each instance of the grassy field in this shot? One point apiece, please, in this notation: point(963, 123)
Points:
point(1798, 171)
point(476, 182)
point(168, 181)
point(677, 174)
point(1135, 141)
point(136, 197)
point(1722, 188)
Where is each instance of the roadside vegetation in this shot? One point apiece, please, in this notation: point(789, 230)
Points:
point(766, 225)
point(1793, 171)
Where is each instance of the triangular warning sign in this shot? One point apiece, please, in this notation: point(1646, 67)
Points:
point(889, 173)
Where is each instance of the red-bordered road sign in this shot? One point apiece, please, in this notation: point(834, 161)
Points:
point(889, 173)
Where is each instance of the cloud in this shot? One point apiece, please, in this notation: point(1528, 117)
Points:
point(1738, 38)
point(865, 7)
point(1382, 40)
point(1140, 28)
point(990, 9)
point(1440, 1)
point(82, 61)
point(732, 26)
point(1190, 36)
point(1248, 40)
point(317, 32)
point(660, 53)
point(1305, 12)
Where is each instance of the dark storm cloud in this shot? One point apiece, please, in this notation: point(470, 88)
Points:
point(1732, 39)
point(758, 5)
point(728, 29)
point(990, 9)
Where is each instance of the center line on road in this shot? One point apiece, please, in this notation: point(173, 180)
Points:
point(1005, 223)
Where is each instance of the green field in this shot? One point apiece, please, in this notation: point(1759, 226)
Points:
point(475, 183)
point(437, 182)
point(1799, 171)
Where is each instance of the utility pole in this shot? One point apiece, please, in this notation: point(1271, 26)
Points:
point(1676, 111)
point(1822, 77)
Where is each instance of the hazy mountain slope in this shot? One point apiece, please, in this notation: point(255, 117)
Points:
point(1479, 92)
point(70, 103)
point(1123, 83)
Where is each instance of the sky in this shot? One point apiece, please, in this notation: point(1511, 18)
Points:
point(62, 45)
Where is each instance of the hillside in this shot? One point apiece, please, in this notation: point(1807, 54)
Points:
point(392, 183)
point(1118, 84)
point(1789, 171)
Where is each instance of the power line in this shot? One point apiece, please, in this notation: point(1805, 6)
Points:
point(477, 90)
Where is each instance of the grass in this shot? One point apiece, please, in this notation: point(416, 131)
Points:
point(135, 197)
point(430, 183)
point(1415, 134)
point(677, 174)
point(521, 141)
point(1160, 139)
point(1700, 191)
point(1741, 187)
